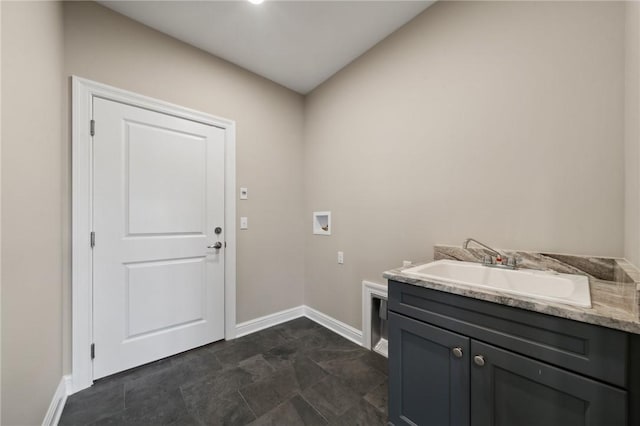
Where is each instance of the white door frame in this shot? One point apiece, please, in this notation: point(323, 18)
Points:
point(81, 214)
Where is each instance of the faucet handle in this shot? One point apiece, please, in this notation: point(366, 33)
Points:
point(512, 262)
point(487, 260)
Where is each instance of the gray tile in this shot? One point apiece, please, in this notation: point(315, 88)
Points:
point(317, 338)
point(198, 362)
point(257, 367)
point(284, 355)
point(293, 412)
point(233, 354)
point(324, 345)
point(296, 328)
point(379, 397)
point(308, 414)
point(221, 344)
point(247, 372)
point(376, 361)
point(101, 400)
point(227, 408)
point(137, 372)
point(331, 397)
point(295, 373)
point(335, 340)
point(171, 412)
point(158, 387)
point(355, 373)
point(265, 394)
point(267, 339)
point(307, 372)
point(226, 381)
point(361, 414)
point(288, 355)
point(334, 354)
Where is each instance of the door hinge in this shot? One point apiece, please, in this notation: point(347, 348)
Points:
point(93, 350)
point(92, 127)
point(225, 244)
point(93, 239)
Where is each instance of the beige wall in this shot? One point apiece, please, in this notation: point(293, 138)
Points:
point(106, 47)
point(497, 120)
point(0, 214)
point(31, 209)
point(632, 132)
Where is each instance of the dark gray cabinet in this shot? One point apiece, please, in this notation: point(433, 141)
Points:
point(510, 389)
point(459, 361)
point(429, 352)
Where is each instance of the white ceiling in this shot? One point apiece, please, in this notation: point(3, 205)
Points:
point(298, 44)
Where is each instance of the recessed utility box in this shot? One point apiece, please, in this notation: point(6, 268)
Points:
point(379, 331)
point(322, 223)
point(375, 333)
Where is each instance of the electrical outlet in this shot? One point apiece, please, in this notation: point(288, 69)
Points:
point(340, 257)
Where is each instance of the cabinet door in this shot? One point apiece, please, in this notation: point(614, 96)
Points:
point(428, 379)
point(509, 389)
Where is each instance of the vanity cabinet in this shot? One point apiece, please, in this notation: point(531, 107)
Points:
point(454, 360)
point(422, 351)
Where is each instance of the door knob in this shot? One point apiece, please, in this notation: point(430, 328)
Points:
point(457, 352)
point(217, 246)
point(479, 360)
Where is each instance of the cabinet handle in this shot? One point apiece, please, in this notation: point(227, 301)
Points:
point(479, 360)
point(457, 352)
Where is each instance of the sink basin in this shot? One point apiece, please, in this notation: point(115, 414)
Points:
point(544, 285)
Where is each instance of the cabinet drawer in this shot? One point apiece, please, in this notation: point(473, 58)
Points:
point(594, 351)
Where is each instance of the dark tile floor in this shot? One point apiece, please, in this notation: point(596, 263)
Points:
point(296, 373)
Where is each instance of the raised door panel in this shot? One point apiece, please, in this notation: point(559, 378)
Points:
point(166, 172)
point(164, 295)
point(428, 381)
point(511, 389)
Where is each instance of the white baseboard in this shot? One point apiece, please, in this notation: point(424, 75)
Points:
point(267, 321)
point(325, 320)
point(52, 417)
point(345, 330)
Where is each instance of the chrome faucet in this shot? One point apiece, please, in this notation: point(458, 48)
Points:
point(501, 261)
point(465, 245)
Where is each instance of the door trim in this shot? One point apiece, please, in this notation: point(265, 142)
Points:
point(83, 92)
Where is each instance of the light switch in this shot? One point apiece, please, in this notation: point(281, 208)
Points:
point(244, 193)
point(244, 223)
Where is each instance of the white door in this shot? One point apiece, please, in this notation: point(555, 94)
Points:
point(158, 197)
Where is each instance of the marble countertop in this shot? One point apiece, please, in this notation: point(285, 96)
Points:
point(614, 302)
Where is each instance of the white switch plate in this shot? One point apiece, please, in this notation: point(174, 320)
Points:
point(340, 257)
point(244, 223)
point(244, 193)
